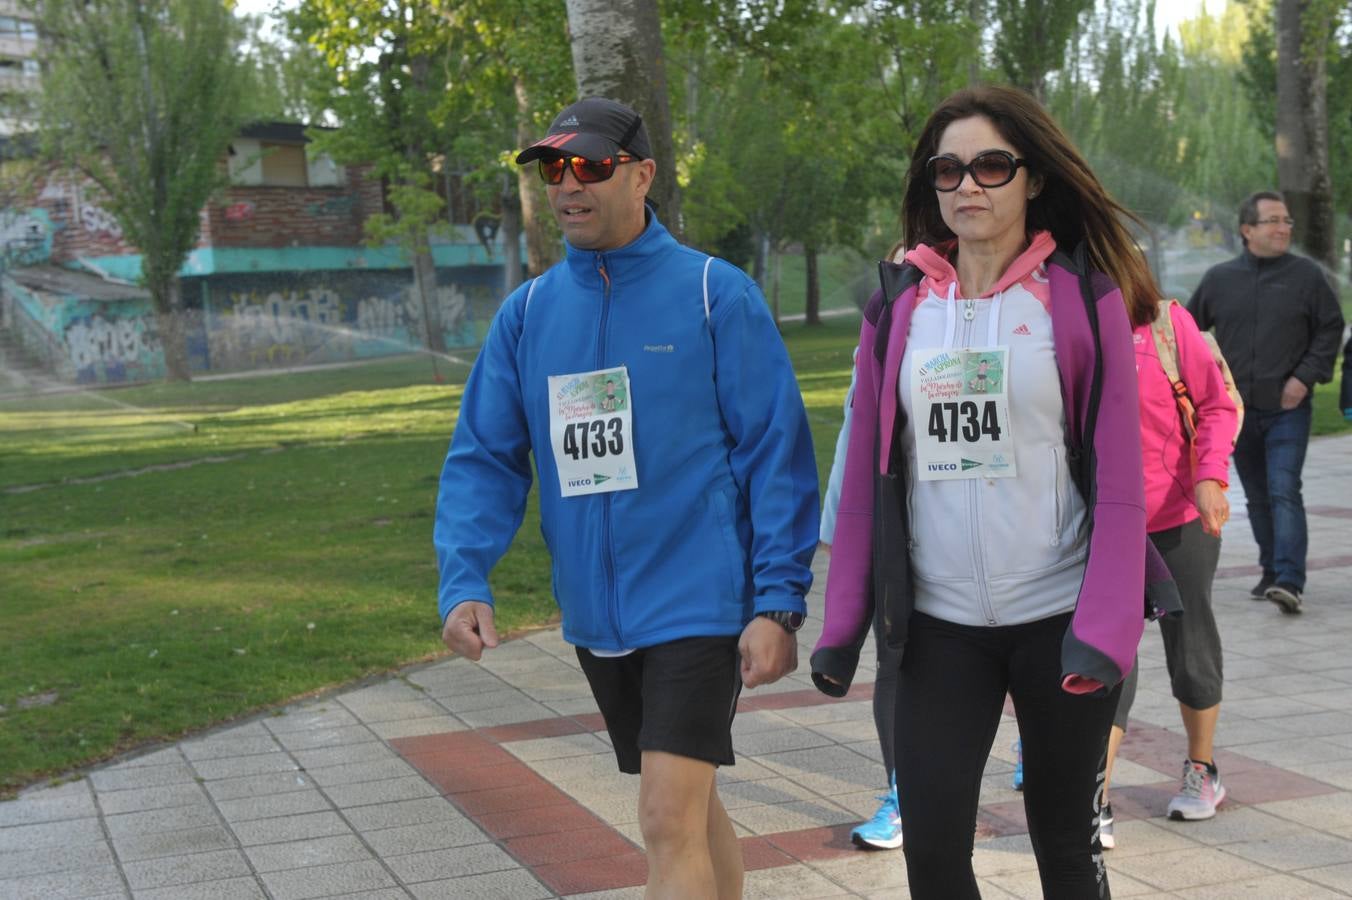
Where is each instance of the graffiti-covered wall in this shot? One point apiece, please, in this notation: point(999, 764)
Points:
point(245, 321)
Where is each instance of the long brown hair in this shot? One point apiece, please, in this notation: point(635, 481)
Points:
point(1072, 204)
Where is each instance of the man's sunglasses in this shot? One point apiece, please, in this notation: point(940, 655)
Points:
point(587, 171)
point(992, 169)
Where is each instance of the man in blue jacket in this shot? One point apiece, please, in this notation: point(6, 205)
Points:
point(678, 491)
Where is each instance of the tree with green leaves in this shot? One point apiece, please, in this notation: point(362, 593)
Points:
point(1031, 38)
point(142, 97)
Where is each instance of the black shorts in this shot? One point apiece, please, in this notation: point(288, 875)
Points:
point(678, 698)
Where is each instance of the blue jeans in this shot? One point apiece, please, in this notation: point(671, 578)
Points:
point(1269, 455)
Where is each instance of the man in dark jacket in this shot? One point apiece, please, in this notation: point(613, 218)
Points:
point(1278, 323)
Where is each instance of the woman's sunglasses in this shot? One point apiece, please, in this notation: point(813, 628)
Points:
point(587, 171)
point(992, 169)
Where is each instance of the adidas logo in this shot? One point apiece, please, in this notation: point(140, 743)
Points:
point(1023, 329)
point(570, 122)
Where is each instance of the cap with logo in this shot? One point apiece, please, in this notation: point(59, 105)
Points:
point(594, 128)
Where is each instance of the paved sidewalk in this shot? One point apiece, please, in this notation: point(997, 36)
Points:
point(461, 780)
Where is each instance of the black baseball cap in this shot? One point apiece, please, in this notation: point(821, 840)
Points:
point(593, 128)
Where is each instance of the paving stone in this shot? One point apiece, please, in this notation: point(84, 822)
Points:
point(401, 813)
point(50, 834)
point(178, 870)
point(420, 708)
point(429, 836)
point(226, 889)
point(174, 843)
point(348, 795)
point(290, 828)
point(141, 777)
point(239, 766)
point(768, 819)
point(55, 858)
point(38, 807)
point(80, 883)
point(310, 718)
point(473, 859)
point(325, 737)
point(325, 881)
point(162, 757)
point(323, 757)
point(506, 715)
point(258, 785)
point(356, 773)
point(241, 745)
point(152, 821)
point(400, 728)
point(116, 802)
point(303, 854)
point(292, 803)
point(518, 885)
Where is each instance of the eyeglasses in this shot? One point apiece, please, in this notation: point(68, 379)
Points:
point(992, 169)
point(587, 171)
point(1276, 220)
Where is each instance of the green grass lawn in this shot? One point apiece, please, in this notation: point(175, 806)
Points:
point(293, 553)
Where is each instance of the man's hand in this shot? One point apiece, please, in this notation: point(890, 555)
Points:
point(768, 652)
point(1213, 506)
point(1293, 392)
point(469, 629)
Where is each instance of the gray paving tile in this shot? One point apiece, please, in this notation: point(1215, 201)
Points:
point(310, 718)
point(50, 834)
point(292, 803)
point(141, 777)
point(400, 813)
point(54, 859)
point(1283, 886)
point(420, 838)
point(401, 728)
point(198, 815)
point(161, 757)
point(420, 708)
point(218, 747)
point(61, 885)
point(40, 806)
point(763, 818)
point(322, 757)
point(474, 859)
point(765, 742)
point(258, 785)
point(347, 795)
point(517, 885)
point(239, 766)
point(179, 870)
point(290, 828)
point(116, 802)
point(557, 747)
point(470, 700)
point(325, 737)
point(174, 843)
point(227, 889)
point(304, 854)
point(325, 881)
point(356, 773)
point(506, 715)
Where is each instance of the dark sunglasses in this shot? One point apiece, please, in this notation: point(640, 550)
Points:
point(587, 171)
point(992, 169)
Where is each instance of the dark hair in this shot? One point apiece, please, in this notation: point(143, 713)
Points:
point(1072, 204)
point(1248, 210)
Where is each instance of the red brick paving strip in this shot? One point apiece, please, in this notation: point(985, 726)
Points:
point(572, 851)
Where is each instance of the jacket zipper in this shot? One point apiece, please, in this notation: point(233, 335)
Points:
point(973, 495)
point(612, 598)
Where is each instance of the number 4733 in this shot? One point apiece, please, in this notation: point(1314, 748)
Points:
point(972, 420)
point(594, 439)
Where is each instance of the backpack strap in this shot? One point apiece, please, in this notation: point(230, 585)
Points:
point(1166, 344)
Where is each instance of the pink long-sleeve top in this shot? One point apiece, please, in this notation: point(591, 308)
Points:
point(1171, 475)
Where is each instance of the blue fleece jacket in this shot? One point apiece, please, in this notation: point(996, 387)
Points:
point(724, 521)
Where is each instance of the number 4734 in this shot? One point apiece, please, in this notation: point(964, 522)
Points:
point(973, 421)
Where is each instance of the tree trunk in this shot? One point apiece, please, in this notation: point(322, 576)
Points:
point(169, 321)
point(510, 229)
point(425, 292)
point(976, 9)
point(542, 242)
point(1302, 128)
point(617, 53)
point(813, 294)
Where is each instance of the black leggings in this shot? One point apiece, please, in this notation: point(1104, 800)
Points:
point(950, 696)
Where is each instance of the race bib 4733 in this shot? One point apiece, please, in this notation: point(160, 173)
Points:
point(590, 431)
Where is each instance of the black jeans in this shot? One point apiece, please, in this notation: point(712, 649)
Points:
point(950, 697)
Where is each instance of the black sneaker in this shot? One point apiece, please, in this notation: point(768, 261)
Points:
point(1285, 596)
point(1260, 589)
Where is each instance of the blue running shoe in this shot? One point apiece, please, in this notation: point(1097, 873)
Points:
point(883, 831)
point(1018, 764)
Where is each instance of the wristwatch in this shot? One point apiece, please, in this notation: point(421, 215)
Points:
point(789, 621)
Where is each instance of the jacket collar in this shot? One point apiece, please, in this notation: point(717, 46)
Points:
point(623, 264)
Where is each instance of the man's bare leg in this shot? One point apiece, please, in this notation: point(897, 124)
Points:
point(1200, 724)
point(724, 849)
point(674, 815)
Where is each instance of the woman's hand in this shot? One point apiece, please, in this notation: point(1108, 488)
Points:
point(1213, 506)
